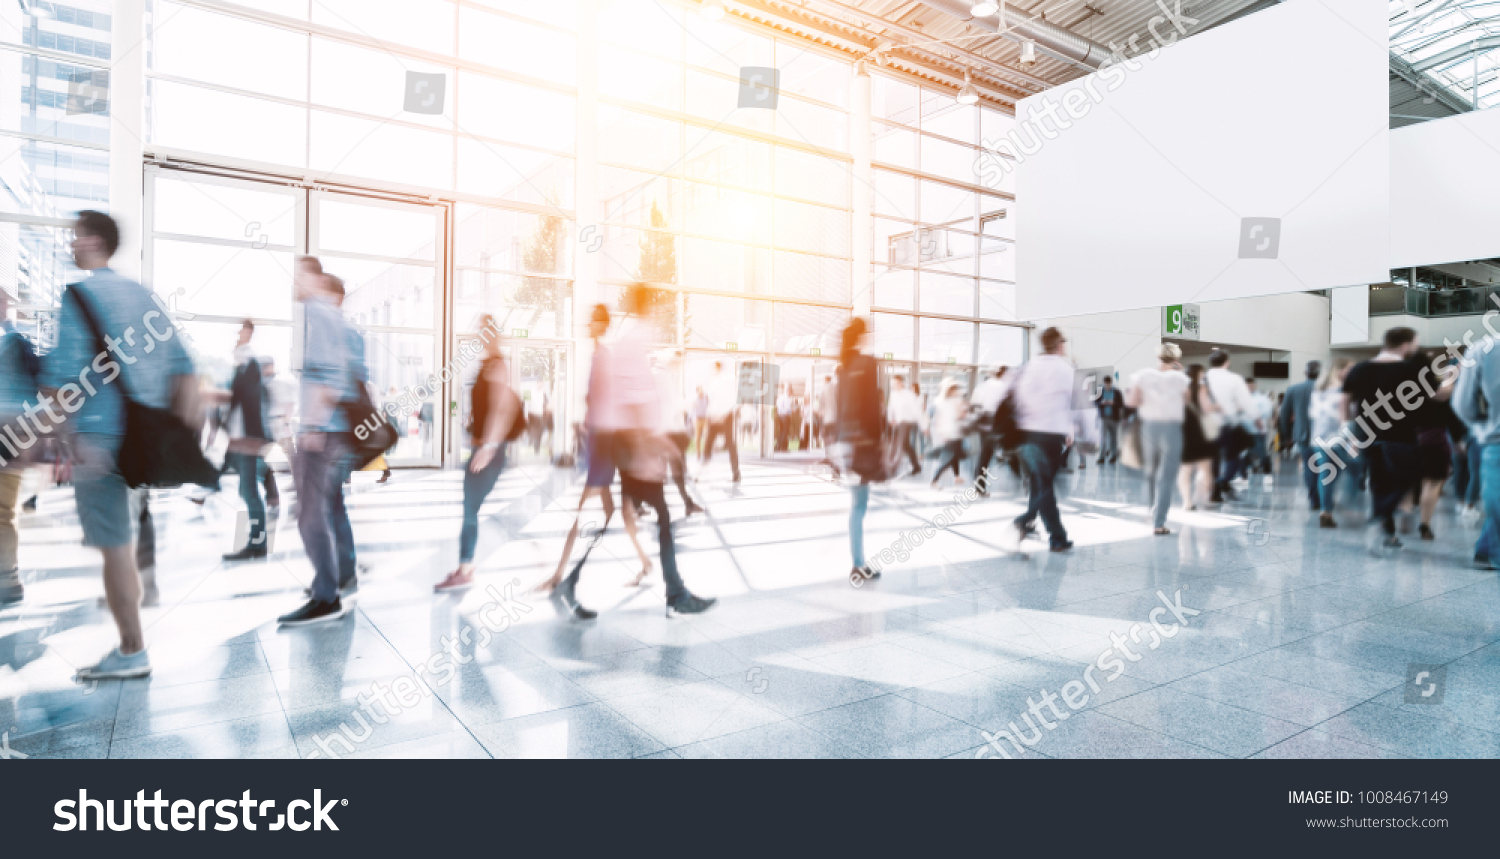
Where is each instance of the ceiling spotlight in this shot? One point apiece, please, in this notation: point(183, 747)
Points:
point(712, 10)
point(984, 9)
point(966, 93)
point(1028, 53)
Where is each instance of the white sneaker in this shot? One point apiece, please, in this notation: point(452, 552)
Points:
point(118, 666)
point(1471, 516)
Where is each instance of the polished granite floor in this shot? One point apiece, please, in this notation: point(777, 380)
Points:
point(1305, 645)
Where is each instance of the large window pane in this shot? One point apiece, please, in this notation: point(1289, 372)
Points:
point(893, 100)
point(373, 82)
point(814, 229)
point(636, 140)
point(510, 173)
point(634, 76)
point(801, 329)
point(812, 277)
point(945, 341)
point(48, 179)
point(209, 210)
point(894, 288)
point(945, 205)
point(515, 241)
point(188, 42)
point(997, 300)
point(895, 243)
point(1001, 345)
point(549, 121)
point(80, 27)
point(725, 213)
point(895, 195)
point(892, 337)
point(946, 294)
point(425, 24)
point(714, 156)
point(382, 293)
point(811, 123)
point(725, 266)
point(948, 250)
point(949, 160)
point(58, 99)
point(812, 177)
point(627, 254)
point(715, 322)
point(539, 306)
point(646, 25)
point(215, 280)
point(724, 49)
point(361, 147)
point(998, 260)
point(639, 199)
point(398, 233)
point(716, 100)
point(506, 43)
point(563, 13)
point(894, 145)
point(950, 119)
point(242, 127)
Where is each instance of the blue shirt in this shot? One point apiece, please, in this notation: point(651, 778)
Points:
point(1478, 392)
point(328, 361)
point(145, 353)
point(17, 386)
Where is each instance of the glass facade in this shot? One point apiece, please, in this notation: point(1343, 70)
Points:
point(466, 113)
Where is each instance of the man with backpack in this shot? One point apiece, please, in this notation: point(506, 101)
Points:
point(329, 374)
point(115, 346)
point(18, 372)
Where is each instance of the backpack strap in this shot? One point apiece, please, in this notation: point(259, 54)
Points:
point(93, 323)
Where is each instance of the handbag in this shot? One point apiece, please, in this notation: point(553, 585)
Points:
point(1007, 431)
point(158, 450)
point(373, 434)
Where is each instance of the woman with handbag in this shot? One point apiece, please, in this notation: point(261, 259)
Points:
point(1159, 397)
point(1200, 436)
point(861, 434)
point(493, 412)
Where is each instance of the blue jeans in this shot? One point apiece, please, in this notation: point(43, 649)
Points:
point(1041, 456)
point(1476, 473)
point(326, 537)
point(476, 488)
point(1323, 482)
point(1489, 477)
point(860, 494)
point(250, 469)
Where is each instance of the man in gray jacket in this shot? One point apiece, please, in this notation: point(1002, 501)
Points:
point(1295, 423)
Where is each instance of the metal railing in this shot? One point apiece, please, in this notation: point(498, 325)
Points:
point(1395, 300)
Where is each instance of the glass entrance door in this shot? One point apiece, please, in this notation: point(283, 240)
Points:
point(391, 258)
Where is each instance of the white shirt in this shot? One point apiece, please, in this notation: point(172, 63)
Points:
point(1231, 394)
point(1162, 394)
point(1044, 395)
point(946, 421)
point(635, 402)
point(1261, 409)
point(903, 408)
point(828, 402)
point(989, 394)
point(723, 390)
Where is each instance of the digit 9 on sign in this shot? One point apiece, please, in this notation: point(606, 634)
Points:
point(1176, 321)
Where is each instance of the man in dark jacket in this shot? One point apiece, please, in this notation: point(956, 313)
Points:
point(249, 435)
point(1111, 410)
point(1295, 424)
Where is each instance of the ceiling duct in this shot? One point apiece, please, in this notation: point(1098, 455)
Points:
point(1050, 39)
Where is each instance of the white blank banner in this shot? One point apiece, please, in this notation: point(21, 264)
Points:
point(1249, 160)
point(1349, 320)
point(1445, 184)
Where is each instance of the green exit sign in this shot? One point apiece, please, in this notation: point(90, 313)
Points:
point(520, 332)
point(817, 352)
point(526, 395)
point(889, 356)
point(732, 347)
point(952, 360)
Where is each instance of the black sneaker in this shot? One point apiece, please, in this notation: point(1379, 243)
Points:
point(12, 593)
point(569, 601)
point(1061, 547)
point(687, 603)
point(314, 611)
point(1326, 520)
point(1392, 542)
point(30, 505)
point(249, 553)
point(1426, 532)
point(1482, 562)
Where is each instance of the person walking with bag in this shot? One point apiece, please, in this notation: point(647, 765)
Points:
point(1044, 413)
point(97, 325)
point(249, 436)
point(861, 434)
point(494, 413)
point(1159, 396)
point(948, 432)
point(1200, 432)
